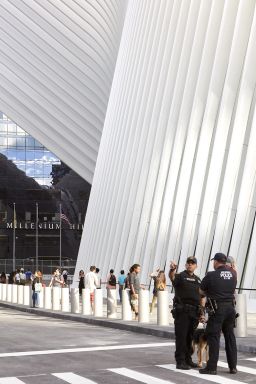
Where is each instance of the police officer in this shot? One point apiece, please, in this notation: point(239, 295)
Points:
point(185, 311)
point(219, 287)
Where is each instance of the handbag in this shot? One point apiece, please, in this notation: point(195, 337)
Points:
point(38, 287)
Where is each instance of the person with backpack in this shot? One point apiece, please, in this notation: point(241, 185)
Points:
point(159, 285)
point(111, 280)
point(121, 282)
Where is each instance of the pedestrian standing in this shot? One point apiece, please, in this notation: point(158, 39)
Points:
point(186, 311)
point(81, 282)
point(17, 277)
point(219, 287)
point(98, 277)
point(135, 288)
point(159, 285)
point(121, 283)
point(57, 279)
point(91, 282)
point(36, 289)
point(3, 278)
point(111, 280)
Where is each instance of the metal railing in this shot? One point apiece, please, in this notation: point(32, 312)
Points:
point(45, 266)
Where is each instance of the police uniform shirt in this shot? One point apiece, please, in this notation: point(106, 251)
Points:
point(220, 284)
point(187, 288)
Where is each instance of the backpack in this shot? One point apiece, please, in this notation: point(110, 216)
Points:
point(127, 283)
point(112, 280)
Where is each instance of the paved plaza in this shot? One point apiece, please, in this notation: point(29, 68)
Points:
point(35, 349)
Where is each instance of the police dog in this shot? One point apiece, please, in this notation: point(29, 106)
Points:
point(199, 344)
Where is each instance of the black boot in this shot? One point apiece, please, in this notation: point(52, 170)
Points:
point(207, 371)
point(182, 366)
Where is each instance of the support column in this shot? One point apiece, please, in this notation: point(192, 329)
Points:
point(111, 304)
point(143, 306)
point(86, 303)
point(4, 292)
point(65, 300)
point(98, 303)
point(75, 306)
point(20, 294)
point(56, 293)
point(126, 305)
point(162, 308)
point(14, 293)
point(27, 298)
point(241, 308)
point(9, 293)
point(48, 298)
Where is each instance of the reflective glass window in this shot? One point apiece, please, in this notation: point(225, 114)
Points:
point(3, 141)
point(3, 127)
point(38, 145)
point(20, 131)
point(11, 141)
point(21, 155)
point(11, 128)
point(30, 142)
point(20, 142)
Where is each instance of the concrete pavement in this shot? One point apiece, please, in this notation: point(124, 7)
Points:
point(39, 350)
point(245, 344)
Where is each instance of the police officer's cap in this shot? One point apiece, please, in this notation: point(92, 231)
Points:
point(191, 259)
point(220, 257)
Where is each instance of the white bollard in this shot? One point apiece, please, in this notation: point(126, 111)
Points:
point(56, 294)
point(41, 298)
point(75, 305)
point(9, 293)
point(111, 304)
point(1, 290)
point(48, 297)
point(241, 308)
point(143, 306)
point(86, 303)
point(4, 292)
point(20, 294)
point(98, 303)
point(126, 305)
point(65, 299)
point(162, 308)
point(27, 295)
point(14, 293)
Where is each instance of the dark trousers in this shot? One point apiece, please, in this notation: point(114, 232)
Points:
point(185, 324)
point(223, 320)
point(35, 298)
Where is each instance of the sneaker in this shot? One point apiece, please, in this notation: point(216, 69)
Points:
point(206, 371)
point(183, 366)
point(233, 371)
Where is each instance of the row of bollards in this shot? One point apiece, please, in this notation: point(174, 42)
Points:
point(68, 300)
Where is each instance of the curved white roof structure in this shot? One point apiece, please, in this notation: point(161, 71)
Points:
point(57, 60)
point(175, 172)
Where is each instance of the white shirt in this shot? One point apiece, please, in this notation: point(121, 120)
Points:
point(91, 281)
point(17, 277)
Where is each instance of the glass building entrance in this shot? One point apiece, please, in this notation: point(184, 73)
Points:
point(42, 204)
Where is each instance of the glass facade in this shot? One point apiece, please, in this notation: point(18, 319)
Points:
point(42, 204)
point(25, 152)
